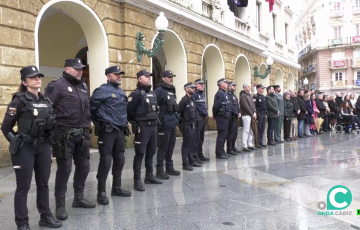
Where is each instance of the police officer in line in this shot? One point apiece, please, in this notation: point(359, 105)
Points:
point(70, 98)
point(29, 146)
point(280, 119)
point(233, 121)
point(108, 112)
point(261, 113)
point(169, 119)
point(142, 112)
point(222, 109)
point(201, 108)
point(188, 119)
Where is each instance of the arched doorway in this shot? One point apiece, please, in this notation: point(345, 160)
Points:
point(266, 81)
point(171, 56)
point(279, 79)
point(212, 68)
point(290, 82)
point(63, 29)
point(242, 72)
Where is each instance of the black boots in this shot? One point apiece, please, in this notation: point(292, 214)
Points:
point(80, 201)
point(161, 174)
point(117, 190)
point(151, 179)
point(24, 227)
point(60, 211)
point(101, 196)
point(49, 221)
point(138, 185)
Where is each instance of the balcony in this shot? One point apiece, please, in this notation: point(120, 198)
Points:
point(338, 64)
point(242, 27)
point(279, 48)
point(306, 50)
point(355, 63)
point(264, 39)
point(338, 84)
point(312, 68)
point(337, 13)
point(338, 41)
point(355, 40)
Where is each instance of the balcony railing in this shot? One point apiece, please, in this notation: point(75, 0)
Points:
point(338, 41)
point(278, 48)
point(242, 27)
point(306, 50)
point(355, 63)
point(337, 13)
point(339, 83)
point(264, 39)
point(338, 64)
point(312, 68)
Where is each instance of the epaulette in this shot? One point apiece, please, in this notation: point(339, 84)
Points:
point(56, 79)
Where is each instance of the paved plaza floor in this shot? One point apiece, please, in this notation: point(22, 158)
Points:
point(278, 187)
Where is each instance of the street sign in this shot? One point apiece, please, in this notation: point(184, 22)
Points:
point(358, 82)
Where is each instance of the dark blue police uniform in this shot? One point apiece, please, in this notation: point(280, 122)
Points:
point(108, 112)
point(233, 122)
point(261, 112)
point(222, 109)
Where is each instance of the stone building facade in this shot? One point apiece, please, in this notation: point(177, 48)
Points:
point(103, 33)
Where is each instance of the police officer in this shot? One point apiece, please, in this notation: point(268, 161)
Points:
point(142, 112)
point(201, 108)
point(222, 109)
point(233, 121)
point(29, 146)
point(108, 112)
point(70, 98)
point(280, 119)
point(169, 119)
point(188, 119)
point(261, 112)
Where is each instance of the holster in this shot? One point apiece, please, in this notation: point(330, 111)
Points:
point(133, 126)
point(127, 130)
point(15, 143)
point(181, 127)
point(96, 128)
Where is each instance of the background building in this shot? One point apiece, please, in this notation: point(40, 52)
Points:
point(327, 37)
point(205, 39)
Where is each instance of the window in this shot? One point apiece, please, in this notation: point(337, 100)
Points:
point(274, 25)
point(336, 5)
point(357, 3)
point(286, 33)
point(358, 75)
point(356, 53)
point(338, 77)
point(337, 32)
point(357, 29)
point(338, 55)
point(258, 13)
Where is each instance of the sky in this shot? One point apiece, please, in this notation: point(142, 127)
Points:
point(296, 7)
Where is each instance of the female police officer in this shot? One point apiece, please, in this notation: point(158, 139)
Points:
point(29, 147)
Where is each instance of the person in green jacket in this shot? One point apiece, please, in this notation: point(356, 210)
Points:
point(288, 113)
point(273, 113)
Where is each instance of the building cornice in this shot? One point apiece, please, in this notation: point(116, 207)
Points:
point(310, 4)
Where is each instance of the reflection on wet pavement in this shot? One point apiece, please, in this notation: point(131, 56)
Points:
point(278, 187)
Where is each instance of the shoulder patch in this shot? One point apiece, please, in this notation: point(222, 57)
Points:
point(49, 89)
point(12, 111)
point(129, 98)
point(56, 79)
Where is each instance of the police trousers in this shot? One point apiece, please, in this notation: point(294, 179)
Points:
point(166, 143)
point(111, 148)
point(145, 143)
point(200, 133)
point(81, 156)
point(188, 144)
point(261, 118)
point(222, 124)
point(278, 127)
point(31, 158)
point(233, 132)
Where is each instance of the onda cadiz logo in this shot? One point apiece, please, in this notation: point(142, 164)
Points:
point(338, 198)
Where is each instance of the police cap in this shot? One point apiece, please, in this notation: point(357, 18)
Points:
point(167, 73)
point(75, 63)
point(189, 85)
point(199, 81)
point(260, 86)
point(144, 72)
point(29, 72)
point(114, 69)
point(221, 81)
point(232, 83)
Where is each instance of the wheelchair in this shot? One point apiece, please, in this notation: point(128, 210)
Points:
point(345, 125)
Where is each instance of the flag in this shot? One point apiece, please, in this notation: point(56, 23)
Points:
point(271, 4)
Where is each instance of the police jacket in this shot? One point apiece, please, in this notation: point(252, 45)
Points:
point(302, 107)
point(271, 106)
point(260, 103)
point(200, 102)
point(288, 109)
point(34, 117)
point(235, 103)
point(187, 110)
point(108, 104)
point(280, 103)
point(70, 98)
point(222, 105)
point(142, 104)
point(247, 104)
point(166, 97)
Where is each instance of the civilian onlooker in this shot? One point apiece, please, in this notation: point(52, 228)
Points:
point(338, 99)
point(296, 112)
point(322, 110)
point(358, 107)
point(288, 113)
point(302, 115)
point(313, 129)
point(272, 113)
point(333, 109)
point(309, 115)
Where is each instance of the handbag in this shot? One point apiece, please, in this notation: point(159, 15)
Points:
point(312, 120)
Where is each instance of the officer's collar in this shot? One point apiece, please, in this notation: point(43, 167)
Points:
point(72, 79)
point(33, 96)
point(167, 87)
point(222, 90)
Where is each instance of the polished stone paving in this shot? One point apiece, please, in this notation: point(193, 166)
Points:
point(271, 188)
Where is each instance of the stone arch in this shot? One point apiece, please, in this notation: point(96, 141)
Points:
point(279, 78)
point(242, 72)
point(94, 36)
point(290, 81)
point(212, 69)
point(173, 57)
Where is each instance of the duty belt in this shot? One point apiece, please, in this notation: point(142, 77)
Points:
point(33, 140)
point(148, 123)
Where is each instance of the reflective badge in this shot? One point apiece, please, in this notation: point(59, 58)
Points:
point(79, 61)
point(192, 104)
point(138, 142)
point(40, 105)
point(16, 167)
point(161, 134)
point(117, 67)
point(259, 100)
point(147, 100)
point(153, 107)
point(234, 98)
point(12, 111)
point(36, 112)
point(168, 97)
point(129, 98)
point(199, 96)
point(70, 89)
point(33, 68)
point(113, 95)
point(226, 97)
point(255, 99)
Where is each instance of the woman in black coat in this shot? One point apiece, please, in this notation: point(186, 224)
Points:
point(310, 113)
point(333, 109)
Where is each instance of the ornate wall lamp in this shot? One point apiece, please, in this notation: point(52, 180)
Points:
point(161, 24)
point(269, 62)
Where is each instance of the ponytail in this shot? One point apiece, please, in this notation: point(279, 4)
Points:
point(22, 88)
